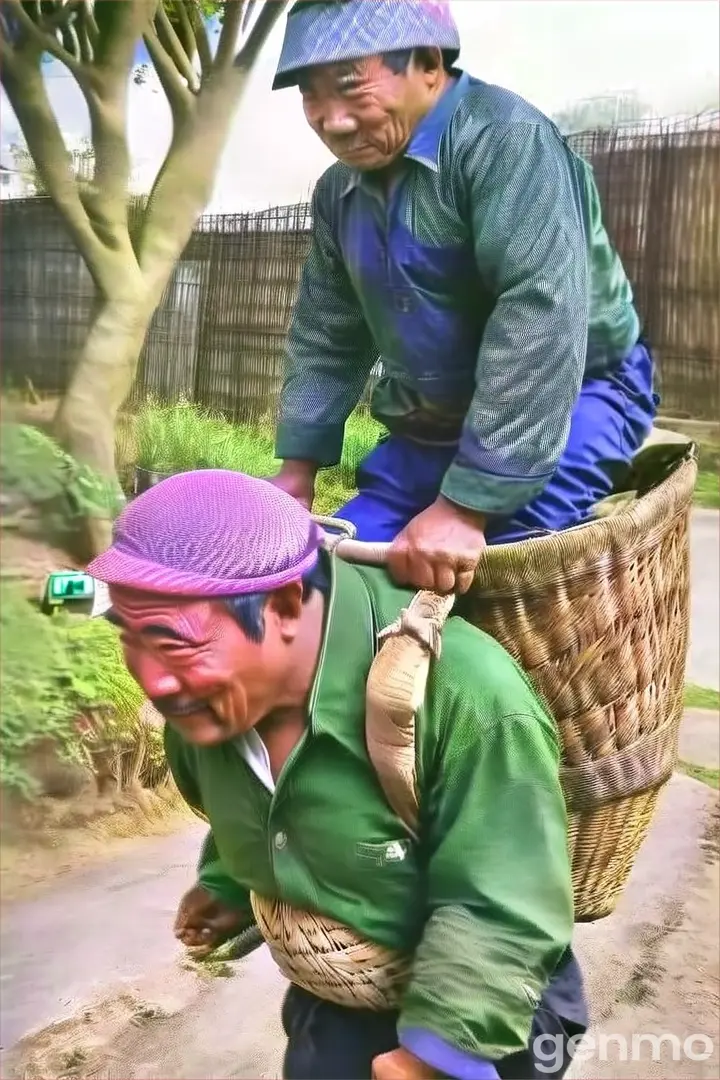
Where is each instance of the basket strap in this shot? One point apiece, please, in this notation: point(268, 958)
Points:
point(395, 691)
point(398, 676)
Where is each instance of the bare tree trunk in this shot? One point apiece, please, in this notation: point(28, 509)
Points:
point(97, 44)
point(100, 383)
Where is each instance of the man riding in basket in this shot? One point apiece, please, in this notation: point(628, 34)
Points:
point(459, 240)
point(256, 645)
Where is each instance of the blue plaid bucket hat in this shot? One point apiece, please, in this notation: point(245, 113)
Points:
point(330, 31)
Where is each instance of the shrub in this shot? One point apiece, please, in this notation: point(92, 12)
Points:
point(109, 705)
point(35, 702)
point(64, 679)
point(39, 479)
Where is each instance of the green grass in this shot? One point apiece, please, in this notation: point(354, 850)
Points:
point(701, 697)
point(180, 437)
point(711, 777)
point(707, 491)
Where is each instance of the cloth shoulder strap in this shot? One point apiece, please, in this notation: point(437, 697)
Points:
point(395, 691)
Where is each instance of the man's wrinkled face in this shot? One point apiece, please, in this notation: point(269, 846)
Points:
point(197, 666)
point(363, 111)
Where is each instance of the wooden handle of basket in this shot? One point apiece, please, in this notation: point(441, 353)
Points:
point(357, 551)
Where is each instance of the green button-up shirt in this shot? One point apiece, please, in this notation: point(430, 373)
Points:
point(484, 899)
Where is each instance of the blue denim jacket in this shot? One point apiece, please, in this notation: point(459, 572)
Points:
point(486, 283)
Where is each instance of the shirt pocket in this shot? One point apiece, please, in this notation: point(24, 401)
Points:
point(383, 854)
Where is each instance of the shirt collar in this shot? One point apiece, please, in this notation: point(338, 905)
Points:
point(424, 145)
point(348, 647)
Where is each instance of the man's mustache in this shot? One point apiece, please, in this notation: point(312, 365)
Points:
point(172, 706)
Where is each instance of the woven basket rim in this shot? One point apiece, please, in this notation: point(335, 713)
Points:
point(534, 560)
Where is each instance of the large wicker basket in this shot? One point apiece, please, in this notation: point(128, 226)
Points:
point(598, 617)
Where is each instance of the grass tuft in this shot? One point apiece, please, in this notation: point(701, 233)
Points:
point(701, 697)
point(707, 491)
point(711, 777)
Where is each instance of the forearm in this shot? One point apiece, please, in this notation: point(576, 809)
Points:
point(213, 877)
point(445, 1058)
point(475, 988)
point(531, 253)
point(304, 437)
point(329, 354)
point(499, 889)
point(517, 427)
point(320, 391)
point(210, 872)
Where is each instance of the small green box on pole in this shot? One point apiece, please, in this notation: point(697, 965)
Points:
point(69, 588)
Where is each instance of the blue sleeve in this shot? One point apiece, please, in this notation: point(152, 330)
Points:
point(329, 352)
point(446, 1059)
point(525, 203)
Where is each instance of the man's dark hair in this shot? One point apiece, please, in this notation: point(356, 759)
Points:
point(249, 610)
point(399, 59)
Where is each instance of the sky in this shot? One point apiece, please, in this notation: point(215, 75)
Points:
point(552, 52)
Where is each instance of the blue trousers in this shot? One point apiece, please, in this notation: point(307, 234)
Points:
point(612, 418)
point(329, 1042)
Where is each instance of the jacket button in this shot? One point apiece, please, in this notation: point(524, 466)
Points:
point(280, 840)
point(404, 303)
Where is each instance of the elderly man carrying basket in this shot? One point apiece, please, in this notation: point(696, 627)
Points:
point(438, 946)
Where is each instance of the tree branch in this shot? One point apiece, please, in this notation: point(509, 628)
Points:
point(88, 18)
point(174, 48)
point(71, 41)
point(46, 42)
point(100, 210)
point(85, 39)
point(26, 91)
point(180, 98)
point(254, 42)
point(182, 24)
point(229, 35)
point(7, 56)
point(248, 10)
point(182, 189)
point(62, 16)
point(120, 25)
point(202, 42)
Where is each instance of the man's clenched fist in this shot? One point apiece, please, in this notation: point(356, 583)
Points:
point(203, 923)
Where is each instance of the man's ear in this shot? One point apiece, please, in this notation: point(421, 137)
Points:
point(285, 604)
point(429, 59)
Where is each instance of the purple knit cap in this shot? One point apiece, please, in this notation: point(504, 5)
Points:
point(210, 533)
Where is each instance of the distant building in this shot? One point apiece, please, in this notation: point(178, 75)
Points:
point(12, 183)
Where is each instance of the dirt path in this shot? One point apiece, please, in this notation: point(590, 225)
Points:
point(97, 953)
point(99, 925)
point(654, 968)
